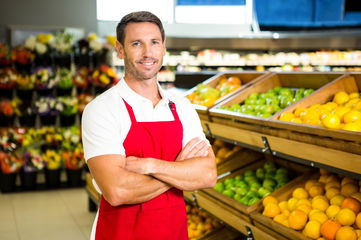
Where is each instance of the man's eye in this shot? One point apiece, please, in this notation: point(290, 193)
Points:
point(135, 43)
point(155, 42)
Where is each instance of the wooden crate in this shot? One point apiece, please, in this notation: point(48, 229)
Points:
point(289, 80)
point(247, 78)
point(238, 160)
point(348, 83)
point(224, 233)
point(273, 228)
point(223, 212)
point(243, 210)
point(235, 161)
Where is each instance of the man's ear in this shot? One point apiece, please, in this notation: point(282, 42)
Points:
point(120, 49)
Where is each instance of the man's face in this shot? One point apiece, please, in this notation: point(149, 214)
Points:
point(143, 50)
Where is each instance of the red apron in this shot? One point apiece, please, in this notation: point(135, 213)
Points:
point(163, 217)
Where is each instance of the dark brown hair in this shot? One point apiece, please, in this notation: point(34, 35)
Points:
point(137, 17)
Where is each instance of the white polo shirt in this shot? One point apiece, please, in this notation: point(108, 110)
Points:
point(105, 120)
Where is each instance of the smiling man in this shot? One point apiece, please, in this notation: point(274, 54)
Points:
point(142, 145)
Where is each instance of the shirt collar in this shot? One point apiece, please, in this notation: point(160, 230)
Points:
point(133, 98)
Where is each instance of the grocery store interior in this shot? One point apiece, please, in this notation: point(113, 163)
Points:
point(276, 85)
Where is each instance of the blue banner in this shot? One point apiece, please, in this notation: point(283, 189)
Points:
point(210, 2)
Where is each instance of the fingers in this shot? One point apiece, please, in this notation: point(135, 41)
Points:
point(198, 150)
point(194, 148)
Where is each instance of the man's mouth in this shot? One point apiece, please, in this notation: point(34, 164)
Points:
point(148, 62)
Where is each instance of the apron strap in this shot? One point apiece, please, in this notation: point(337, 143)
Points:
point(130, 111)
point(173, 110)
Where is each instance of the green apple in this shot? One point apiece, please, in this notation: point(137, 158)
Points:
point(219, 187)
point(253, 200)
point(263, 191)
point(242, 191)
point(229, 193)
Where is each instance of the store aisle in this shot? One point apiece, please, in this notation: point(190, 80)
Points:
point(45, 215)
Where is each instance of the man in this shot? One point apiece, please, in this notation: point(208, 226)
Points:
point(143, 147)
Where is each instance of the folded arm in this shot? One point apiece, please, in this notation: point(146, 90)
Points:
point(120, 186)
point(194, 168)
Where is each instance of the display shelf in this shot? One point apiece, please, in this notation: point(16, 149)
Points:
point(306, 153)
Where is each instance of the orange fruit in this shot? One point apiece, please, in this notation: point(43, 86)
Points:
point(300, 193)
point(297, 219)
point(280, 218)
point(319, 216)
point(316, 190)
point(271, 210)
point(331, 192)
point(334, 184)
point(320, 203)
point(269, 199)
point(331, 121)
point(298, 112)
point(346, 233)
point(310, 183)
point(323, 178)
point(292, 203)
point(346, 217)
point(305, 208)
point(348, 180)
point(348, 189)
point(296, 120)
point(304, 202)
point(358, 220)
point(341, 97)
point(340, 111)
point(329, 229)
point(351, 116)
point(311, 117)
point(287, 116)
point(337, 200)
point(354, 95)
point(332, 211)
point(352, 126)
point(352, 204)
point(282, 205)
point(331, 178)
point(312, 229)
point(356, 196)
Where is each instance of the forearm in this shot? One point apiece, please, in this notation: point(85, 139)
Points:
point(140, 188)
point(120, 186)
point(190, 174)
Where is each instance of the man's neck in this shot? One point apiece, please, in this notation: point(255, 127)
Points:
point(145, 88)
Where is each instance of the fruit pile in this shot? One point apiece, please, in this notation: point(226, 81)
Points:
point(223, 150)
point(206, 95)
point(199, 223)
point(268, 103)
point(253, 185)
point(343, 112)
point(328, 206)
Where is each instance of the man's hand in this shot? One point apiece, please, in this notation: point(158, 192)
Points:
point(138, 165)
point(194, 148)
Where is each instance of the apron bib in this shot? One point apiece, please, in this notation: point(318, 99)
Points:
point(163, 217)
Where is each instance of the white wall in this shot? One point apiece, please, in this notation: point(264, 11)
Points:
point(45, 13)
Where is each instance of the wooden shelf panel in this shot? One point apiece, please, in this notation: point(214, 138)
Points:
point(311, 153)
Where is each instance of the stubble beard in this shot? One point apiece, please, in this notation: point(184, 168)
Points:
point(131, 71)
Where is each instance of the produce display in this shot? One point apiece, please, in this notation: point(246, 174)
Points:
point(268, 103)
point(249, 187)
point(223, 150)
point(343, 112)
point(328, 207)
point(206, 95)
point(200, 223)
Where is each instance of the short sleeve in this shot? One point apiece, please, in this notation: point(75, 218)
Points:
point(100, 131)
point(190, 120)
